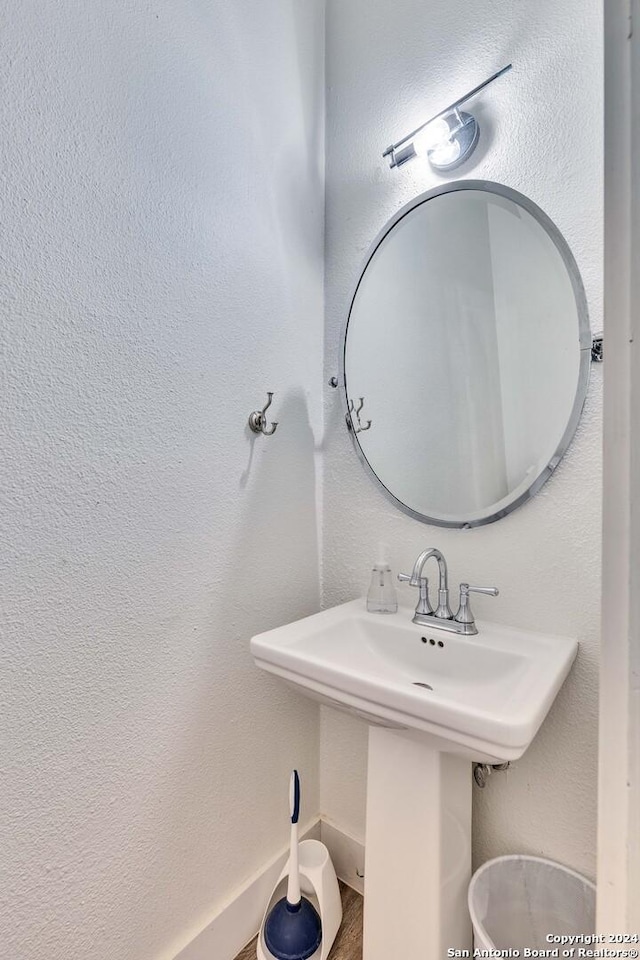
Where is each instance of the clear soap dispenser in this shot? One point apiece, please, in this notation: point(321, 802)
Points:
point(381, 597)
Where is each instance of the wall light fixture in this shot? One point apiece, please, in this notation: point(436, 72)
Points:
point(447, 139)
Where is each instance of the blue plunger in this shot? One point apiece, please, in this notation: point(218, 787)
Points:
point(292, 930)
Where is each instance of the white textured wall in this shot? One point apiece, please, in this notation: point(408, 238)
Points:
point(390, 66)
point(161, 268)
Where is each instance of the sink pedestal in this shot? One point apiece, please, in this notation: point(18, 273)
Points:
point(418, 849)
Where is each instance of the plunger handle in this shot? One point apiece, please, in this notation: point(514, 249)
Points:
point(293, 884)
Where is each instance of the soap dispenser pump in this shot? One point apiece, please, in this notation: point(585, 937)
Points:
point(381, 597)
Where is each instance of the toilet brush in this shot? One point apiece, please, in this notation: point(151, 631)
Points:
point(292, 930)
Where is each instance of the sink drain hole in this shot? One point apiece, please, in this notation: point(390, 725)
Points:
point(426, 686)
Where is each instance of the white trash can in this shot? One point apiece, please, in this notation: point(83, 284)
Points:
point(517, 901)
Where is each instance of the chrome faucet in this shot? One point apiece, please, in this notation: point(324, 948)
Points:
point(442, 618)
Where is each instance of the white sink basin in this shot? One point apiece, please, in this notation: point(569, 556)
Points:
point(483, 697)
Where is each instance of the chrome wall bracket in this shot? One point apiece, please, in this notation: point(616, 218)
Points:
point(258, 420)
point(597, 348)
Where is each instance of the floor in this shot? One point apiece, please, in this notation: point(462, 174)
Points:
point(348, 943)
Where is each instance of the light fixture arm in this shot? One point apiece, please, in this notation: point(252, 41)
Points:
point(390, 151)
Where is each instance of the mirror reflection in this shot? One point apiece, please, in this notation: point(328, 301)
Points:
point(466, 352)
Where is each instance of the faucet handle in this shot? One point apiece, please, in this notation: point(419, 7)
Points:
point(464, 614)
point(489, 591)
point(422, 583)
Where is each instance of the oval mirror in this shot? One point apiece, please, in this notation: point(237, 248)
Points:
point(466, 354)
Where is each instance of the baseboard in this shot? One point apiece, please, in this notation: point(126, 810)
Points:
point(346, 853)
point(239, 921)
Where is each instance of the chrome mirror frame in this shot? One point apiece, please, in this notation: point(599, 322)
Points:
point(585, 341)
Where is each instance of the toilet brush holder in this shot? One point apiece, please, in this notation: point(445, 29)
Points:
point(319, 884)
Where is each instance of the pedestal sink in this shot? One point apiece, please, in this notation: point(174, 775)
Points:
point(434, 701)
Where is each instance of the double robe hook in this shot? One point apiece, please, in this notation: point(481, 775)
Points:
point(258, 421)
point(356, 410)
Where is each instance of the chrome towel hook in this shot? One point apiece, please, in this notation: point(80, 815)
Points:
point(258, 421)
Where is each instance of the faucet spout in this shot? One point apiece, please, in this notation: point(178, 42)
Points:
point(443, 610)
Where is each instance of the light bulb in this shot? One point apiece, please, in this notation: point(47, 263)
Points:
point(434, 135)
point(444, 153)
